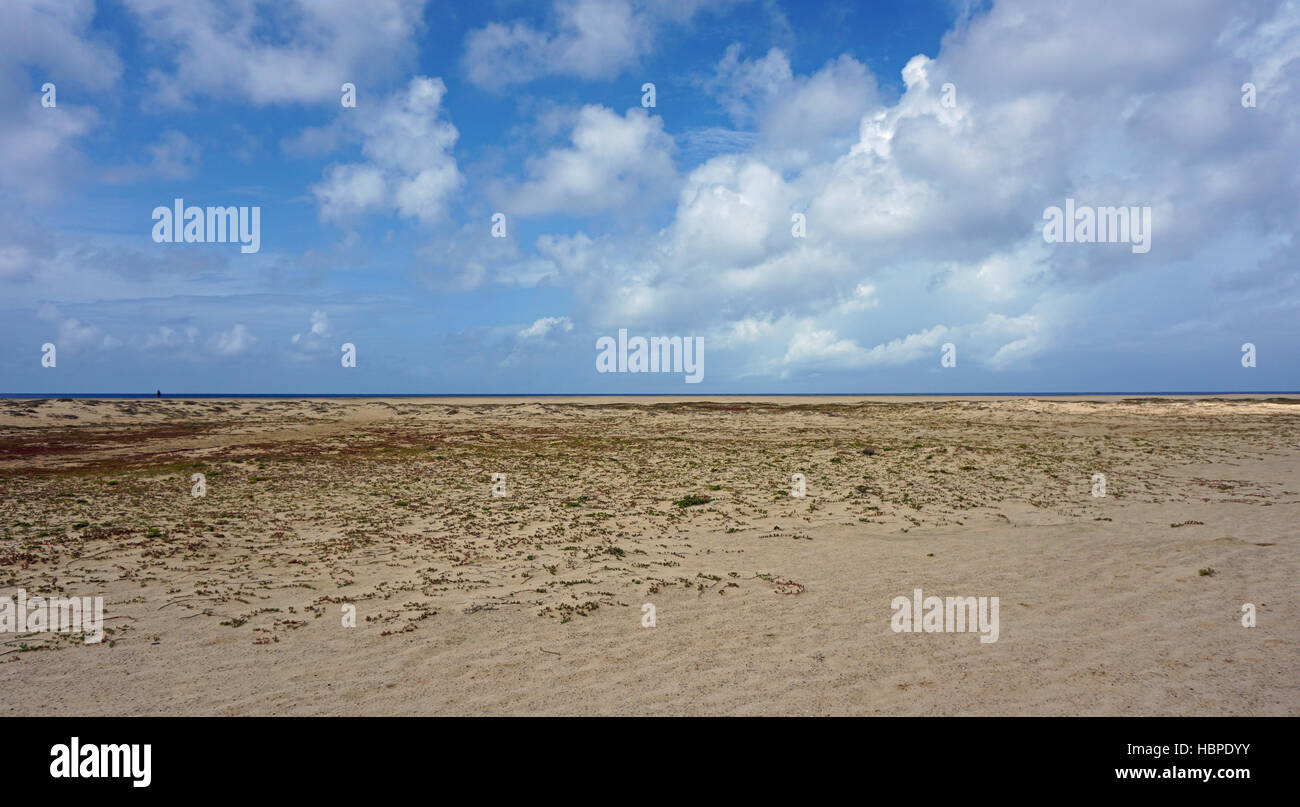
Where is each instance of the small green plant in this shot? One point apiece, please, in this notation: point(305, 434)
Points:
point(692, 499)
point(1208, 571)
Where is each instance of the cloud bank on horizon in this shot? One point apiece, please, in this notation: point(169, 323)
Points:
point(825, 197)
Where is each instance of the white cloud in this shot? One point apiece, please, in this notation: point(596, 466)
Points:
point(825, 348)
point(821, 347)
point(1002, 276)
point(729, 209)
point(169, 338)
point(543, 335)
point(48, 41)
point(317, 340)
point(74, 333)
point(470, 257)
point(940, 206)
point(218, 48)
point(410, 167)
point(798, 117)
point(917, 213)
point(540, 328)
point(613, 162)
point(55, 36)
point(863, 297)
point(234, 342)
point(320, 326)
point(1009, 342)
point(590, 39)
point(38, 146)
point(744, 331)
point(173, 156)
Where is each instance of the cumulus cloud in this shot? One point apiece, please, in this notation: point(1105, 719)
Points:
point(936, 208)
point(797, 117)
point(1008, 341)
point(861, 298)
point(39, 148)
point(320, 326)
point(824, 348)
point(920, 221)
point(74, 334)
point(545, 334)
point(317, 339)
point(55, 35)
point(588, 39)
point(51, 41)
point(409, 170)
point(613, 161)
point(169, 338)
point(218, 48)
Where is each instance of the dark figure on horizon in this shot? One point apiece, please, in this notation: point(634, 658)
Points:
point(159, 393)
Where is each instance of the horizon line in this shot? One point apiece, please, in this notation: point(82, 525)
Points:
point(191, 395)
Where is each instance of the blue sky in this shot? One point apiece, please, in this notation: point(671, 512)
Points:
point(922, 206)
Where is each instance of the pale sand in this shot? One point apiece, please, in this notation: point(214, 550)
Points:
point(460, 596)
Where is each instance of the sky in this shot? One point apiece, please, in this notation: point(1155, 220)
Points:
point(820, 197)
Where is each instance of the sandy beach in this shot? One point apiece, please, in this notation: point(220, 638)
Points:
point(764, 602)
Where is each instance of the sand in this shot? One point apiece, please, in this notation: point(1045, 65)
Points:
point(765, 603)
